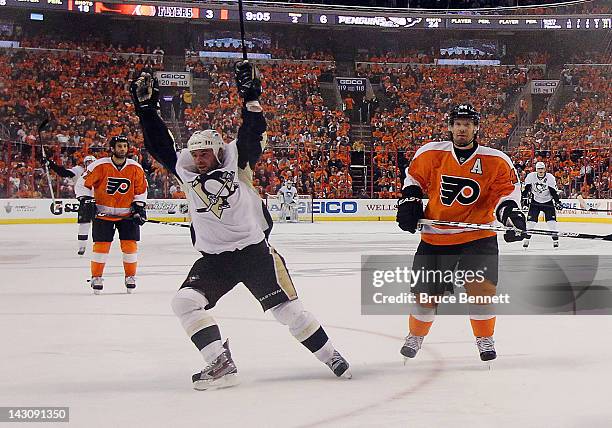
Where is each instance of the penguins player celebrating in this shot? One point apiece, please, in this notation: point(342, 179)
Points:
point(464, 182)
point(540, 194)
point(228, 228)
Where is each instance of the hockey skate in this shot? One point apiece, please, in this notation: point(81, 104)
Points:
point(96, 283)
point(130, 284)
point(525, 243)
point(411, 346)
point(339, 365)
point(81, 250)
point(221, 373)
point(555, 243)
point(486, 348)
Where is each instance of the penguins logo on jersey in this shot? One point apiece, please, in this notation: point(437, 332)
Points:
point(114, 185)
point(460, 189)
point(214, 189)
point(540, 187)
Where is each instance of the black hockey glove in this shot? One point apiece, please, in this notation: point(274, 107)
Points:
point(87, 209)
point(509, 214)
point(139, 213)
point(145, 92)
point(559, 205)
point(525, 204)
point(247, 81)
point(410, 209)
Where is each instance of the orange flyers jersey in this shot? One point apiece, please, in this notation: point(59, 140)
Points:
point(468, 192)
point(115, 189)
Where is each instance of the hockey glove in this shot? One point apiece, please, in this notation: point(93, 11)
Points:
point(559, 205)
point(509, 214)
point(410, 209)
point(525, 204)
point(87, 209)
point(247, 81)
point(139, 213)
point(145, 92)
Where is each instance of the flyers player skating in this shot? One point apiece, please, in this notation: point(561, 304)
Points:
point(228, 229)
point(83, 216)
point(465, 182)
point(119, 188)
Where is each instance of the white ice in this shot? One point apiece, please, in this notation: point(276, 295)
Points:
point(121, 360)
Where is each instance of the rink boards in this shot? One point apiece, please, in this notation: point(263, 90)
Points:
point(32, 211)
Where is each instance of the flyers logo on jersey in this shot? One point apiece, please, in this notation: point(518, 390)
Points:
point(460, 189)
point(114, 185)
point(214, 189)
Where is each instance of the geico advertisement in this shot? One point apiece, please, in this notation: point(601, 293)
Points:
point(13, 209)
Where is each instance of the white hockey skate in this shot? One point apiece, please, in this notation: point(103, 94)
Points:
point(97, 284)
point(130, 284)
point(555, 243)
point(411, 346)
point(339, 366)
point(486, 347)
point(221, 373)
point(81, 249)
point(525, 243)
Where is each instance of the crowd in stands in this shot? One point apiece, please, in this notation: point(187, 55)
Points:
point(576, 142)
point(418, 99)
point(308, 142)
point(86, 98)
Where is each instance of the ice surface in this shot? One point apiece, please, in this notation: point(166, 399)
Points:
point(124, 360)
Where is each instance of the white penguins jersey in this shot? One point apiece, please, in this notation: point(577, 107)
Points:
point(288, 196)
point(226, 213)
point(77, 181)
point(539, 186)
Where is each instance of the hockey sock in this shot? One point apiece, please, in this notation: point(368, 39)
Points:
point(130, 256)
point(188, 304)
point(83, 233)
point(418, 327)
point(98, 260)
point(483, 325)
point(305, 328)
point(552, 225)
point(530, 225)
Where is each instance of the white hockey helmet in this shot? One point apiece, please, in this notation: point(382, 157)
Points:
point(207, 139)
point(89, 159)
point(540, 165)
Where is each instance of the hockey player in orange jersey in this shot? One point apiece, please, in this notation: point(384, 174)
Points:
point(463, 182)
point(119, 188)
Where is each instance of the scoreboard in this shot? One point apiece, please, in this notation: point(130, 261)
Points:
point(334, 19)
point(83, 6)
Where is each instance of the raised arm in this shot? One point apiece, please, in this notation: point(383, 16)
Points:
point(158, 139)
point(251, 135)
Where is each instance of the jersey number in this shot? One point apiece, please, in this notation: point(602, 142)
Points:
point(460, 189)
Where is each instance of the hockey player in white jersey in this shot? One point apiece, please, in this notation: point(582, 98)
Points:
point(540, 194)
point(289, 202)
point(86, 205)
point(227, 228)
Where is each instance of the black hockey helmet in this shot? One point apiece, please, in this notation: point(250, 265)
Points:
point(463, 111)
point(118, 139)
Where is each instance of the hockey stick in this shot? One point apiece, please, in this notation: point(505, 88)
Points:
point(168, 223)
point(42, 126)
point(494, 228)
point(241, 13)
